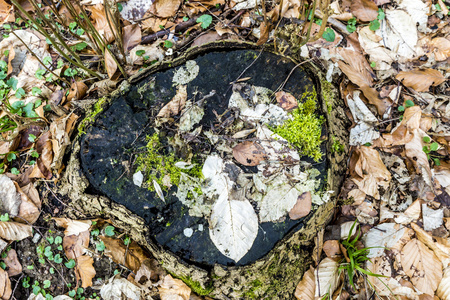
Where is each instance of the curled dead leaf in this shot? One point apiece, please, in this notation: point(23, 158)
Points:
point(421, 80)
point(29, 211)
point(116, 249)
point(286, 100)
point(131, 36)
point(171, 288)
point(110, 63)
point(73, 227)
point(249, 153)
point(77, 91)
point(331, 248)
point(306, 287)
point(174, 106)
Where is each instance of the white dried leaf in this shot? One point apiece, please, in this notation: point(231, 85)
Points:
point(364, 131)
point(138, 178)
point(186, 73)
point(383, 235)
point(278, 202)
point(418, 10)
point(9, 197)
point(119, 288)
point(432, 218)
point(246, 4)
point(399, 33)
point(158, 191)
point(327, 277)
point(190, 116)
point(184, 165)
point(235, 227)
point(443, 291)
point(243, 133)
point(12, 231)
point(346, 227)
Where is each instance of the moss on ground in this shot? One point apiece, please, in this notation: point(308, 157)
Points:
point(304, 129)
point(159, 166)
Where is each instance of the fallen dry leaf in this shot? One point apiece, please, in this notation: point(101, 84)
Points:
point(441, 251)
point(302, 207)
point(422, 266)
point(12, 263)
point(165, 8)
point(440, 48)
point(174, 106)
point(331, 248)
point(327, 277)
point(116, 249)
point(380, 265)
point(77, 91)
point(306, 287)
point(443, 290)
point(5, 285)
point(73, 227)
point(6, 12)
point(28, 210)
point(10, 199)
point(85, 270)
point(286, 100)
point(150, 271)
point(131, 36)
point(120, 288)
point(368, 171)
point(61, 129)
point(110, 63)
point(42, 168)
point(75, 245)
point(101, 23)
point(364, 10)
point(171, 289)
point(13, 231)
point(421, 80)
point(249, 153)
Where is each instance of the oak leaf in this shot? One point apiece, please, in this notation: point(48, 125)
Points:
point(421, 80)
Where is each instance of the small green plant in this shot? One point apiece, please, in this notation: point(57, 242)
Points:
point(431, 147)
point(351, 25)
point(205, 21)
point(109, 230)
point(329, 35)
point(375, 24)
point(4, 217)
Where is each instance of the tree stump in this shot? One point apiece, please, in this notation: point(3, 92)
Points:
point(116, 132)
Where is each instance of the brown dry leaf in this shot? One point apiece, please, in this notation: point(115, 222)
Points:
point(380, 265)
point(364, 10)
point(61, 129)
point(5, 285)
point(443, 290)
point(150, 271)
point(103, 87)
point(110, 63)
point(101, 23)
point(85, 270)
point(441, 251)
point(264, 29)
point(77, 91)
point(73, 227)
point(421, 80)
point(42, 168)
point(331, 248)
point(131, 36)
point(422, 266)
point(302, 207)
point(116, 249)
point(441, 48)
point(6, 12)
point(152, 24)
point(75, 245)
point(368, 171)
point(249, 153)
point(171, 289)
point(286, 100)
point(12, 263)
point(28, 210)
point(165, 8)
point(13, 231)
point(306, 287)
point(174, 106)
point(358, 70)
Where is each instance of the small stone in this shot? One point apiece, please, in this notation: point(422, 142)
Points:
point(188, 232)
point(138, 178)
point(200, 227)
point(36, 238)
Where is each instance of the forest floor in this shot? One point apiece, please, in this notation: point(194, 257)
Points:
point(390, 238)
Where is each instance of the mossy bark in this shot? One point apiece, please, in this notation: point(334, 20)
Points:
point(276, 275)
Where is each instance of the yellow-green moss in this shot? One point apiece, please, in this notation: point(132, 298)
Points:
point(327, 94)
point(98, 108)
point(156, 165)
point(195, 285)
point(305, 128)
point(337, 147)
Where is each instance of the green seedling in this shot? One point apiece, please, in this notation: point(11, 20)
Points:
point(429, 148)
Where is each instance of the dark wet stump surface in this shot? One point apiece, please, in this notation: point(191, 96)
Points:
point(109, 146)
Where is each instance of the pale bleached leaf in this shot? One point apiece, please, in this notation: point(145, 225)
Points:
point(382, 235)
point(432, 218)
point(422, 266)
point(418, 10)
point(9, 197)
point(13, 231)
point(440, 250)
point(236, 227)
point(120, 288)
point(364, 131)
point(138, 178)
point(158, 190)
point(73, 227)
point(443, 291)
point(306, 287)
point(173, 289)
point(327, 277)
point(278, 202)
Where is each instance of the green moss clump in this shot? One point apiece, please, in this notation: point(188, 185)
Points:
point(304, 129)
point(195, 285)
point(98, 108)
point(157, 165)
point(327, 94)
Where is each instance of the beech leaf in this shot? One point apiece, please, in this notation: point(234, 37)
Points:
point(235, 227)
point(249, 153)
point(421, 80)
point(364, 10)
point(306, 287)
point(85, 270)
point(383, 235)
point(110, 63)
point(13, 231)
point(171, 289)
point(327, 277)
